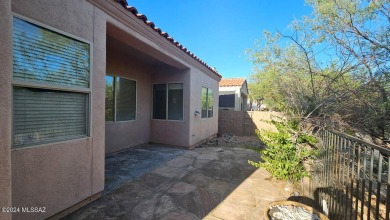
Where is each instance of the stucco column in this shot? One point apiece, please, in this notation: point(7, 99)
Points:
point(98, 100)
point(5, 106)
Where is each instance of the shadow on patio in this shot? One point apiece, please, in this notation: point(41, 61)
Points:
point(156, 182)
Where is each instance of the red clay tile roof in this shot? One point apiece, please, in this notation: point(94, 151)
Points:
point(142, 17)
point(231, 82)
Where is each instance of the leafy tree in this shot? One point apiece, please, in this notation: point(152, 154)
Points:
point(109, 113)
point(334, 67)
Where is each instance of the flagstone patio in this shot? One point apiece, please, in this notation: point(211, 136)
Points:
point(212, 182)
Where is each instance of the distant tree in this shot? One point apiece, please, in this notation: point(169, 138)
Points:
point(109, 103)
point(334, 65)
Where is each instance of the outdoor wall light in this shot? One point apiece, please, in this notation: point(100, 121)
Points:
point(197, 113)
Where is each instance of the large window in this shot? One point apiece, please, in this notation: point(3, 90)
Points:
point(207, 102)
point(120, 99)
point(168, 101)
point(51, 85)
point(227, 101)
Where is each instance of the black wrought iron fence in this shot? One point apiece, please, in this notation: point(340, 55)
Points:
point(350, 179)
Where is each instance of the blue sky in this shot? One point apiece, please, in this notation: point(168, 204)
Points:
point(219, 31)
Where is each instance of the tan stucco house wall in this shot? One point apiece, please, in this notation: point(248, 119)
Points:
point(59, 175)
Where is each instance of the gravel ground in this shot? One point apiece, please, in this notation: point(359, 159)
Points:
point(289, 212)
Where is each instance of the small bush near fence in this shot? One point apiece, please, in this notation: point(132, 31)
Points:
point(286, 150)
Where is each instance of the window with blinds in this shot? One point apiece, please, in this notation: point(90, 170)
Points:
point(44, 56)
point(51, 85)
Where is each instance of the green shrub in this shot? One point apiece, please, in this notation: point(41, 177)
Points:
point(286, 151)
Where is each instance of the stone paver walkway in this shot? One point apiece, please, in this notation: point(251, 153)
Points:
point(250, 198)
point(209, 182)
point(132, 163)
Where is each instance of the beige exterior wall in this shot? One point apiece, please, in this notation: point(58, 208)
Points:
point(202, 128)
point(245, 123)
point(168, 65)
point(54, 176)
point(5, 106)
point(168, 131)
point(59, 175)
point(125, 134)
point(98, 101)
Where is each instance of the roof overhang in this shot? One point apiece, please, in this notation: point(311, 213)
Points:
point(158, 42)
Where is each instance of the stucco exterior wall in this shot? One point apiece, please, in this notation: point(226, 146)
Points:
point(5, 105)
point(182, 68)
point(202, 128)
point(244, 89)
point(168, 131)
point(59, 175)
point(54, 176)
point(98, 100)
point(125, 134)
point(245, 123)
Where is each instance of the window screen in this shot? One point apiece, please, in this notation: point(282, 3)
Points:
point(159, 101)
point(168, 101)
point(175, 101)
point(226, 101)
point(125, 99)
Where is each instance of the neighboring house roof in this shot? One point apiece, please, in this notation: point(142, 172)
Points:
point(142, 17)
point(232, 82)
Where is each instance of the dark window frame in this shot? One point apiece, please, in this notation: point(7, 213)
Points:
point(166, 102)
point(227, 101)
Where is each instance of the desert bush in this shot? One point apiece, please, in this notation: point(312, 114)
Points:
point(286, 151)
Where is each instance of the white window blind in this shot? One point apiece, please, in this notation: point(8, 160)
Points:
point(41, 55)
point(51, 96)
point(42, 116)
